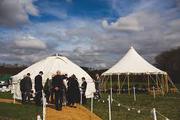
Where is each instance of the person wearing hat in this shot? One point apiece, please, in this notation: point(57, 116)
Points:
point(38, 88)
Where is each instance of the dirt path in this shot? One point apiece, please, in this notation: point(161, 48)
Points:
point(8, 101)
point(67, 113)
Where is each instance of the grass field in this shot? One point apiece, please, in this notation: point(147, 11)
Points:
point(168, 105)
point(9, 111)
point(7, 95)
point(18, 112)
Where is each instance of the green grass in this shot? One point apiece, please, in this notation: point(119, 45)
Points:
point(168, 105)
point(9, 111)
point(6, 95)
point(18, 112)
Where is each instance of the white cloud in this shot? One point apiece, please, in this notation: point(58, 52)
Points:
point(30, 42)
point(13, 12)
point(127, 23)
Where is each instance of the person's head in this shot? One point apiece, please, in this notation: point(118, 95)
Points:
point(58, 72)
point(73, 76)
point(28, 74)
point(41, 72)
point(83, 79)
point(97, 75)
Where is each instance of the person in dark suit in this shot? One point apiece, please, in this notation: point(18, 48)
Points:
point(26, 87)
point(83, 87)
point(73, 91)
point(38, 88)
point(58, 86)
point(47, 89)
point(22, 89)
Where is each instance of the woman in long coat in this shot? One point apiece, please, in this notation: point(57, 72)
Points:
point(73, 92)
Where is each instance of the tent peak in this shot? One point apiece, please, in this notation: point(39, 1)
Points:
point(57, 54)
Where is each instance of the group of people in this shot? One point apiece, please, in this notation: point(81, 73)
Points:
point(58, 90)
point(26, 88)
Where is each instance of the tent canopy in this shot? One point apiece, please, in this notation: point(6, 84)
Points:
point(133, 63)
point(50, 66)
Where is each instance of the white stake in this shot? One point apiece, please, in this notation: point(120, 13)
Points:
point(81, 96)
point(134, 91)
point(154, 93)
point(92, 104)
point(109, 103)
point(154, 114)
point(111, 89)
point(111, 98)
point(44, 106)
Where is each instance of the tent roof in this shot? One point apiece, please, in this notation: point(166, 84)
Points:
point(50, 66)
point(133, 63)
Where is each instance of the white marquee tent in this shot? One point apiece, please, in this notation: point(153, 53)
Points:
point(133, 64)
point(50, 66)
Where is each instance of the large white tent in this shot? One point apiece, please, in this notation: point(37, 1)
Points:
point(50, 66)
point(133, 64)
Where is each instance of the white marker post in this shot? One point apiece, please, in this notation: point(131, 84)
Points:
point(154, 93)
point(109, 104)
point(134, 91)
point(92, 104)
point(154, 114)
point(81, 96)
point(44, 106)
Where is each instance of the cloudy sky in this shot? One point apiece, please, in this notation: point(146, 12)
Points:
point(92, 33)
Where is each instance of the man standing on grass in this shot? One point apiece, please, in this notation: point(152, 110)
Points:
point(22, 88)
point(26, 87)
point(38, 88)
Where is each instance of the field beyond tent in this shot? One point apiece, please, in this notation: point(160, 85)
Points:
point(168, 106)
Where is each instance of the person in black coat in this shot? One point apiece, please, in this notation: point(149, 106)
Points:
point(47, 89)
point(22, 89)
point(83, 88)
point(38, 88)
point(58, 86)
point(26, 87)
point(73, 91)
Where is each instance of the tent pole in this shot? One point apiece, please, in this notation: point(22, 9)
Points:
point(166, 79)
point(101, 83)
point(162, 80)
point(157, 82)
point(148, 82)
point(128, 85)
point(119, 85)
point(111, 87)
point(105, 83)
